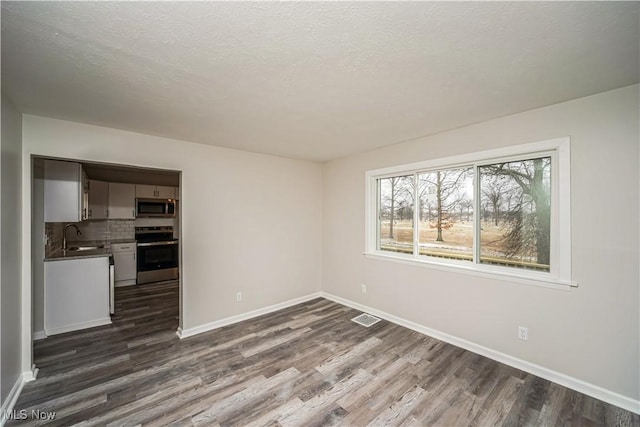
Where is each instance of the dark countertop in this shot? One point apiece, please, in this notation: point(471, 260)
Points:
point(59, 255)
point(120, 241)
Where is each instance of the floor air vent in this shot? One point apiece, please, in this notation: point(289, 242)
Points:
point(366, 320)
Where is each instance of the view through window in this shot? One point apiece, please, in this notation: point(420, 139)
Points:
point(502, 208)
point(516, 213)
point(396, 208)
point(446, 213)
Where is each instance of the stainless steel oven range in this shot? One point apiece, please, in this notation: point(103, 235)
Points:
point(157, 254)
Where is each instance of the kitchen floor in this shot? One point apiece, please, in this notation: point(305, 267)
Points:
point(305, 365)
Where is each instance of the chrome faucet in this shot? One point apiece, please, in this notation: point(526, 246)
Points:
point(64, 235)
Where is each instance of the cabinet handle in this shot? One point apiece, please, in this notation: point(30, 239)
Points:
point(133, 213)
point(134, 255)
point(106, 213)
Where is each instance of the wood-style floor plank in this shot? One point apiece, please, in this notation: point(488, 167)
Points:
point(306, 365)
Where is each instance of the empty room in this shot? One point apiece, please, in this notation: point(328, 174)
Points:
point(320, 213)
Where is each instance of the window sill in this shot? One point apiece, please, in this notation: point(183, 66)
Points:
point(475, 270)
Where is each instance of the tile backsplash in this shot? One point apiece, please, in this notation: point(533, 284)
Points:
point(112, 229)
point(121, 229)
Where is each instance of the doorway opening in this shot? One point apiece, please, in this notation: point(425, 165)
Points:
point(101, 234)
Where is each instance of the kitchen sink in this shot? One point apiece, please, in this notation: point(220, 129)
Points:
point(85, 248)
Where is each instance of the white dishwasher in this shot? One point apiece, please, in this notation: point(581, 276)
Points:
point(125, 267)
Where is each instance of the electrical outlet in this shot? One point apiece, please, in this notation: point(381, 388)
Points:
point(364, 288)
point(238, 296)
point(523, 333)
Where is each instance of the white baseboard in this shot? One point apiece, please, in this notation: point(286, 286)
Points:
point(185, 333)
point(31, 375)
point(12, 398)
point(573, 383)
point(14, 393)
point(540, 371)
point(77, 326)
point(39, 335)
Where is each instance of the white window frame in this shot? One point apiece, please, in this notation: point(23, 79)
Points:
point(559, 275)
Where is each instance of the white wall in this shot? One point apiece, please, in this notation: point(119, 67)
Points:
point(250, 222)
point(37, 249)
point(10, 249)
point(590, 333)
point(272, 228)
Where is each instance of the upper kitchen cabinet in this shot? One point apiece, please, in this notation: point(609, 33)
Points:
point(66, 192)
point(122, 201)
point(98, 199)
point(155, 192)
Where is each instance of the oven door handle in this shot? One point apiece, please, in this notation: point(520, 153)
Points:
point(168, 242)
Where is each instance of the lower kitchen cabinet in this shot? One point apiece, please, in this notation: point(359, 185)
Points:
point(124, 260)
point(76, 294)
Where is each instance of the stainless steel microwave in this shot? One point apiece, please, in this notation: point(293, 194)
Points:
point(155, 208)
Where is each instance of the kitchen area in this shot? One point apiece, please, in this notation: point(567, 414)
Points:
point(96, 228)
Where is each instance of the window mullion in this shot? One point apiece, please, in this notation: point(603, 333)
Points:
point(476, 214)
point(554, 220)
point(377, 213)
point(416, 216)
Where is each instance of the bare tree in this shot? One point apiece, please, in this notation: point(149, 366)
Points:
point(530, 216)
point(493, 187)
point(447, 185)
point(423, 200)
point(395, 198)
point(392, 209)
point(465, 207)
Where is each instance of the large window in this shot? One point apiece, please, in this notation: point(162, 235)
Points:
point(503, 212)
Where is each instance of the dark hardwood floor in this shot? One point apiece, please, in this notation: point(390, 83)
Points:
point(303, 366)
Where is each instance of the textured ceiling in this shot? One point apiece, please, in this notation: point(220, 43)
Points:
point(309, 80)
